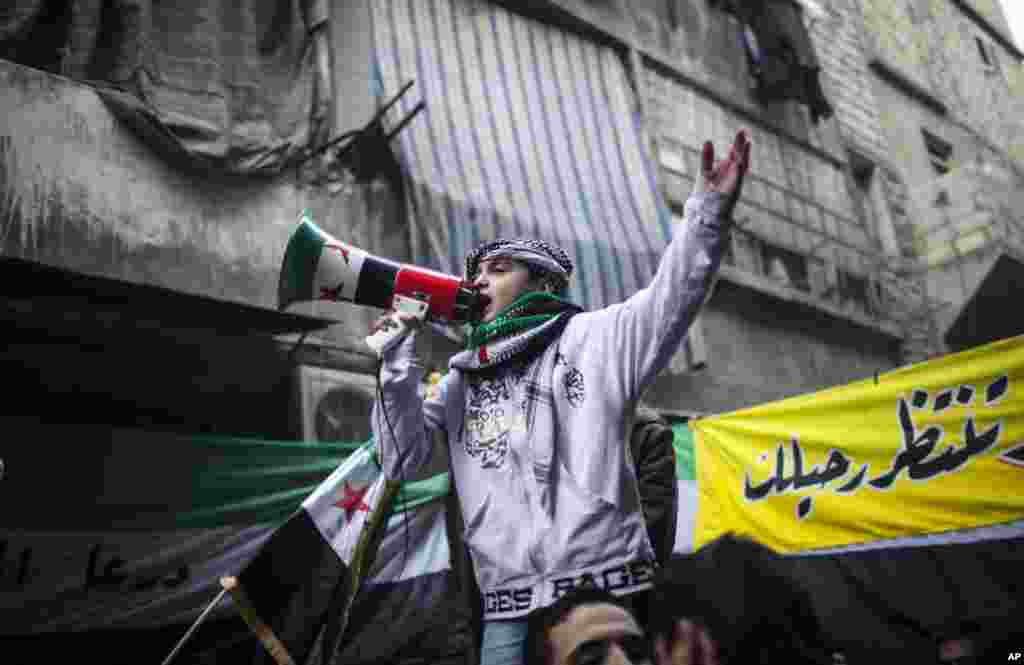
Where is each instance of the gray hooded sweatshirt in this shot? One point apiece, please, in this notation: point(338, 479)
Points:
point(535, 428)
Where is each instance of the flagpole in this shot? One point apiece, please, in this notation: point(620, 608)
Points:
point(263, 632)
point(188, 633)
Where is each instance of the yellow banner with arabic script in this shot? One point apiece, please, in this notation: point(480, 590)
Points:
point(930, 448)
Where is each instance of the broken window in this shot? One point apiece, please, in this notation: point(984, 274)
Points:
point(870, 202)
point(785, 266)
point(854, 292)
point(779, 52)
point(939, 152)
point(862, 172)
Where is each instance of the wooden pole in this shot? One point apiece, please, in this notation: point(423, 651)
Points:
point(265, 634)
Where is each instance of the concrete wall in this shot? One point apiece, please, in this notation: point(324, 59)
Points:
point(761, 342)
point(83, 192)
point(933, 44)
point(79, 190)
point(956, 220)
point(704, 50)
point(989, 99)
point(761, 349)
point(838, 36)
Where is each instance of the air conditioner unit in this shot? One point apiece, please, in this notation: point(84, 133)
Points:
point(332, 404)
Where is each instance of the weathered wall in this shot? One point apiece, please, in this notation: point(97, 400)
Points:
point(701, 44)
point(81, 191)
point(760, 350)
point(933, 43)
point(958, 219)
point(839, 40)
point(988, 99)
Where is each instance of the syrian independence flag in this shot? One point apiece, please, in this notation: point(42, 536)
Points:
point(360, 549)
point(140, 525)
point(148, 551)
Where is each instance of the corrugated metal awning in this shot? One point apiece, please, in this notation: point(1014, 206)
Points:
point(529, 130)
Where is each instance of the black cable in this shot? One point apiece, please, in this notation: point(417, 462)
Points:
point(401, 457)
point(400, 497)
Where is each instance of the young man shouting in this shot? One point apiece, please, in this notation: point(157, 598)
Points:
point(533, 417)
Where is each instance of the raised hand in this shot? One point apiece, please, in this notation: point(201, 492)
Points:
point(725, 177)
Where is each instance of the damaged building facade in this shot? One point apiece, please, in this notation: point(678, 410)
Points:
point(155, 160)
point(946, 80)
point(166, 153)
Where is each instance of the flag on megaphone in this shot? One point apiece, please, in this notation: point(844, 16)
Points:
point(318, 266)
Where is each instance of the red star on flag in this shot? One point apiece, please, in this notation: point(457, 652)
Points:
point(353, 501)
point(342, 250)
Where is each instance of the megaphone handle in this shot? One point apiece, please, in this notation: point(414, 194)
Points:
point(387, 337)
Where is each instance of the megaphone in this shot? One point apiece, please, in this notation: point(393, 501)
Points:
point(318, 266)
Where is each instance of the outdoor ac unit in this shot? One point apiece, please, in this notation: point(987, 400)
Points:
point(333, 405)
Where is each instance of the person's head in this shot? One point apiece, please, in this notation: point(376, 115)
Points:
point(586, 626)
point(733, 597)
point(505, 270)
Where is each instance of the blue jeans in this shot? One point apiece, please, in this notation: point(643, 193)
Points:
point(503, 642)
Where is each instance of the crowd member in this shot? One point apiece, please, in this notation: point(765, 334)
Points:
point(729, 602)
point(651, 446)
point(587, 626)
point(532, 417)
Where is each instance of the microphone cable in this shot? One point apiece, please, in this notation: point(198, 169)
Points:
point(400, 497)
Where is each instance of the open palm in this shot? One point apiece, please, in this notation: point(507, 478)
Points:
point(726, 177)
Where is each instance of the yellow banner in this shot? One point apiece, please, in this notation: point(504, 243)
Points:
point(930, 448)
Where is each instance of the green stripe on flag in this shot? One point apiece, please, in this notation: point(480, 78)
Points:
point(298, 270)
point(264, 509)
point(686, 459)
point(248, 480)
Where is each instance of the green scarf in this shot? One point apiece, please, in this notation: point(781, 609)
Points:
point(528, 311)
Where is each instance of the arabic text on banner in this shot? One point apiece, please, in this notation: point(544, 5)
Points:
point(931, 448)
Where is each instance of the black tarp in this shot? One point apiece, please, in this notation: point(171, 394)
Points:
point(235, 87)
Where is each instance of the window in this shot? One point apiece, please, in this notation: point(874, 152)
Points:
point(870, 202)
point(785, 266)
point(854, 292)
point(939, 152)
point(863, 172)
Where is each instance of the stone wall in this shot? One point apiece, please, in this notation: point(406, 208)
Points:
point(797, 196)
point(81, 191)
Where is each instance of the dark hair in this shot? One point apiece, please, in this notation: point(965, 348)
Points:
point(737, 590)
point(558, 283)
point(540, 622)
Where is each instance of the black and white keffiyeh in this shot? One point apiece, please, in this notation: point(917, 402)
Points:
point(536, 253)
